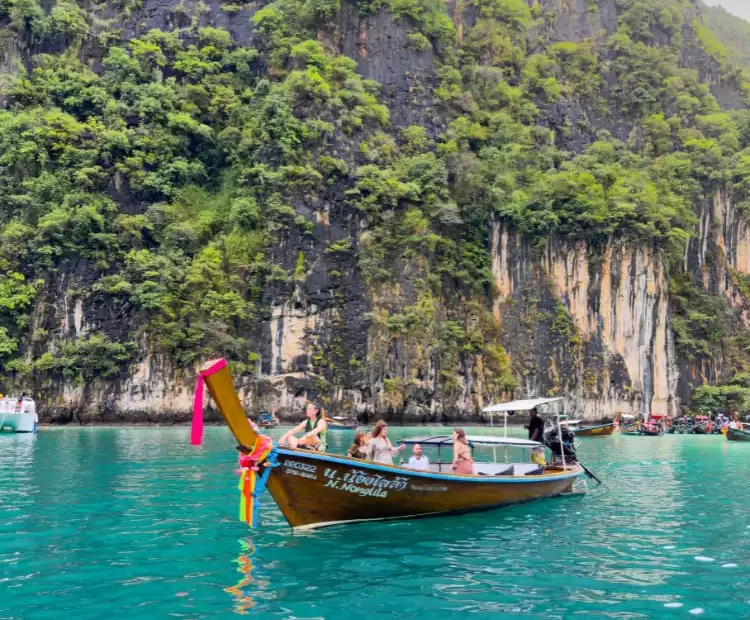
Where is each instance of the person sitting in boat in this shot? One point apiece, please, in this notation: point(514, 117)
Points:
point(357, 449)
point(379, 448)
point(417, 460)
point(314, 427)
point(462, 461)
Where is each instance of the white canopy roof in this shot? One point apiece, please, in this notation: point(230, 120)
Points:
point(520, 405)
point(476, 440)
point(483, 440)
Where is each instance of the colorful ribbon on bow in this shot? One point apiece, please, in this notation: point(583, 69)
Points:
point(196, 428)
point(250, 485)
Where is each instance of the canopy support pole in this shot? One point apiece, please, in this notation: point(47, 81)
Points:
point(560, 439)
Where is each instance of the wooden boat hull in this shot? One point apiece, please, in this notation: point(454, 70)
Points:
point(602, 430)
point(316, 490)
point(703, 430)
point(737, 435)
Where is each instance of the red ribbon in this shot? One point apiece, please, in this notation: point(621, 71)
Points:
point(196, 428)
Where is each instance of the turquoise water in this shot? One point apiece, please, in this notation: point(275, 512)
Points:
point(136, 522)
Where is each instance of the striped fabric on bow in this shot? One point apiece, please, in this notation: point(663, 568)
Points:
point(251, 485)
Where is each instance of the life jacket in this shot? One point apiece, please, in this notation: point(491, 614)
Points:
point(323, 435)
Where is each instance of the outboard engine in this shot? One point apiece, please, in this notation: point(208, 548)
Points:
point(567, 446)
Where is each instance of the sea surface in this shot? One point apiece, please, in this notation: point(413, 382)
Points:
point(135, 523)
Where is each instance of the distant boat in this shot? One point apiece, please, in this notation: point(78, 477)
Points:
point(339, 423)
point(317, 489)
point(681, 426)
point(639, 429)
point(601, 430)
point(18, 415)
point(703, 425)
point(268, 420)
point(649, 430)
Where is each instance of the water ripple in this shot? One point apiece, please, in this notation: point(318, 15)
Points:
point(137, 522)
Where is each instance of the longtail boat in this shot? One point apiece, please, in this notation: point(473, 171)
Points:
point(739, 434)
point(602, 430)
point(268, 420)
point(338, 423)
point(703, 425)
point(642, 430)
point(317, 489)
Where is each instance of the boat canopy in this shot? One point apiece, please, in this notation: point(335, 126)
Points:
point(509, 408)
point(474, 440)
point(520, 405)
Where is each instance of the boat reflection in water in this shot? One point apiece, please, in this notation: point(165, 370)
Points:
point(242, 600)
point(314, 489)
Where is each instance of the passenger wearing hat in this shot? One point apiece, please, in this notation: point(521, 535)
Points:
point(315, 431)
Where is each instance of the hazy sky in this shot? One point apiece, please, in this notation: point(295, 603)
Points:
point(738, 7)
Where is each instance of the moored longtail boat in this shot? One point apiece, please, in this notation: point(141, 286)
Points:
point(314, 489)
point(339, 423)
point(703, 425)
point(738, 434)
point(602, 430)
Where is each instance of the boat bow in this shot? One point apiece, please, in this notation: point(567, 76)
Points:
point(257, 451)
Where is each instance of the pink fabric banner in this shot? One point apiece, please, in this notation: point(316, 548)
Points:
point(196, 428)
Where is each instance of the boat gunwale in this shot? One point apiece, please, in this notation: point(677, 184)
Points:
point(739, 432)
point(467, 478)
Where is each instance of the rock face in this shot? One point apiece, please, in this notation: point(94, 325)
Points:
point(613, 350)
point(593, 323)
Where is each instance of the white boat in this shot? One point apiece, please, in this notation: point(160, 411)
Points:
point(18, 415)
point(571, 424)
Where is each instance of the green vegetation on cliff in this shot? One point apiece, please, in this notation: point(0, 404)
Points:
point(164, 168)
point(733, 33)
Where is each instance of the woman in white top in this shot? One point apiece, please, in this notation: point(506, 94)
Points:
point(379, 448)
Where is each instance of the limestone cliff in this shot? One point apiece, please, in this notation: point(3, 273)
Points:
point(425, 240)
point(604, 339)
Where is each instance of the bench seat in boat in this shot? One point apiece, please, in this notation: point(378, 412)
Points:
point(494, 469)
